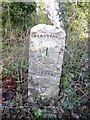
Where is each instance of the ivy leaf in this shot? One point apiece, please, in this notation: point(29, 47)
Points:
point(72, 75)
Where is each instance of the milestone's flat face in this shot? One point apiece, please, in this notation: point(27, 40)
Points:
point(45, 54)
point(45, 60)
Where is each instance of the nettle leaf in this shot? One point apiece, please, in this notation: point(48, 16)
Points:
point(64, 82)
point(6, 71)
point(37, 112)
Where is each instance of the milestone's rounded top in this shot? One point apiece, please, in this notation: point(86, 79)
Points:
point(50, 29)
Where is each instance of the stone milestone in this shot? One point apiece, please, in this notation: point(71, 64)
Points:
point(46, 50)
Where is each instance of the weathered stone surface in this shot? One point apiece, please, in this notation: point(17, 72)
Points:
point(46, 51)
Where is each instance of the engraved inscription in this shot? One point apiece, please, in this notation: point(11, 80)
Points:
point(46, 73)
point(46, 35)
